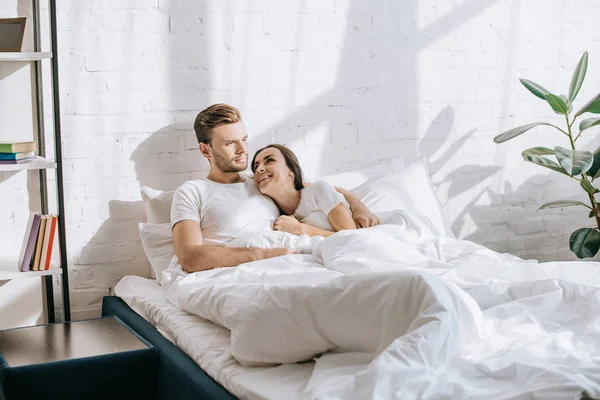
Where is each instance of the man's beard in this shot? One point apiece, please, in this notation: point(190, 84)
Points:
point(226, 165)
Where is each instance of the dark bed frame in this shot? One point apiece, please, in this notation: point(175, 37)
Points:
point(178, 376)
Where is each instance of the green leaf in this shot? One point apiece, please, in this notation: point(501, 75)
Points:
point(575, 162)
point(538, 151)
point(578, 76)
point(592, 106)
point(589, 186)
point(544, 162)
point(557, 104)
point(566, 100)
point(591, 214)
point(588, 123)
point(513, 133)
point(585, 242)
point(563, 203)
point(534, 88)
point(593, 171)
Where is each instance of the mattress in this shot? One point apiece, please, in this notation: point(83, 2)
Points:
point(209, 345)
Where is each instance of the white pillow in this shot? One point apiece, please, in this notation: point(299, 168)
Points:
point(157, 204)
point(409, 189)
point(352, 179)
point(157, 241)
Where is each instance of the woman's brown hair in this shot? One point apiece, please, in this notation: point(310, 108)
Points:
point(290, 160)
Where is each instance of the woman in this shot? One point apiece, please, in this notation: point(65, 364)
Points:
point(311, 209)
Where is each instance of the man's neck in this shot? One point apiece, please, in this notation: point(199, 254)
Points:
point(287, 200)
point(224, 177)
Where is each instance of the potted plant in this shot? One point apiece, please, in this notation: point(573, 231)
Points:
point(580, 165)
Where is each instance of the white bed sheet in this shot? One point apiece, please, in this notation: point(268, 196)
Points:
point(209, 345)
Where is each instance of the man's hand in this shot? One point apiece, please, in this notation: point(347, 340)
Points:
point(360, 213)
point(362, 216)
point(286, 223)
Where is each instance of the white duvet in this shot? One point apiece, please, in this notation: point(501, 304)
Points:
point(394, 312)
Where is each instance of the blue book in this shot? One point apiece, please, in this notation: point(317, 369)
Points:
point(16, 156)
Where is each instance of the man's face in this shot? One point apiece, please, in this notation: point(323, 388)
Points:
point(229, 150)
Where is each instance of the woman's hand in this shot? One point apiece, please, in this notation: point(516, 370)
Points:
point(286, 223)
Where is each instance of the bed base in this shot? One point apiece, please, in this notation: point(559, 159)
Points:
point(178, 376)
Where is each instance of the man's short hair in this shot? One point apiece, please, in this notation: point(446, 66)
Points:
point(213, 116)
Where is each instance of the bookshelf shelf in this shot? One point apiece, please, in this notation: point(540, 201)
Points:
point(36, 163)
point(48, 163)
point(25, 56)
point(10, 271)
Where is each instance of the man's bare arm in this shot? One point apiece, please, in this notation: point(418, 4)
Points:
point(361, 214)
point(195, 256)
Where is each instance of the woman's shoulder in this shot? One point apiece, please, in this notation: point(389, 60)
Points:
point(318, 185)
point(321, 192)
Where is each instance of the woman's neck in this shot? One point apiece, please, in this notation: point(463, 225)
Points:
point(287, 199)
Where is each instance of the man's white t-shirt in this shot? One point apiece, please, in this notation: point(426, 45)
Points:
point(316, 202)
point(223, 212)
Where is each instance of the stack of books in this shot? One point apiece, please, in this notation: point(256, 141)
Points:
point(17, 152)
point(36, 250)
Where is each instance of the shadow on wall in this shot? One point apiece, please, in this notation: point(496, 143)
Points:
point(116, 246)
point(547, 231)
point(168, 158)
point(501, 223)
point(365, 106)
point(384, 102)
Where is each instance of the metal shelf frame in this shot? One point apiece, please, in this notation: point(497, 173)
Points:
point(35, 59)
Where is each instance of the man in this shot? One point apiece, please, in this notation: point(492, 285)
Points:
point(207, 213)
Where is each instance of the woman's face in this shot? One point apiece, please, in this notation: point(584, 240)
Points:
point(271, 173)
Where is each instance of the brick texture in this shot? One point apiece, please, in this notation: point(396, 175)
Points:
point(343, 83)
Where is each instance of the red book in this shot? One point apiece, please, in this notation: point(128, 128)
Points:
point(51, 241)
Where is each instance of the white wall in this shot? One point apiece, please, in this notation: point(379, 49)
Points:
point(343, 83)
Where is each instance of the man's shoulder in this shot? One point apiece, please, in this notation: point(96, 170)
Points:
point(193, 185)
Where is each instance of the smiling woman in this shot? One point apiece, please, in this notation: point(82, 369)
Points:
point(316, 209)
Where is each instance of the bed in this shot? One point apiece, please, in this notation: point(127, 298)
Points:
point(518, 328)
point(179, 377)
point(195, 352)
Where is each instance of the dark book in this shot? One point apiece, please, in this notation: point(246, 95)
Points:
point(17, 156)
point(22, 160)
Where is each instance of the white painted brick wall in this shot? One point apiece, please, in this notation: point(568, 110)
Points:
point(344, 83)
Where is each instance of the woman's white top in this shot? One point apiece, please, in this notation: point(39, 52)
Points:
point(316, 202)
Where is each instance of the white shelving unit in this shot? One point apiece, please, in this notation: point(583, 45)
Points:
point(9, 269)
point(29, 56)
point(36, 163)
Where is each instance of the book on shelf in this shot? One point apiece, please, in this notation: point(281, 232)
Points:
point(35, 262)
point(22, 160)
point(17, 147)
point(36, 250)
point(29, 241)
point(49, 242)
point(16, 156)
